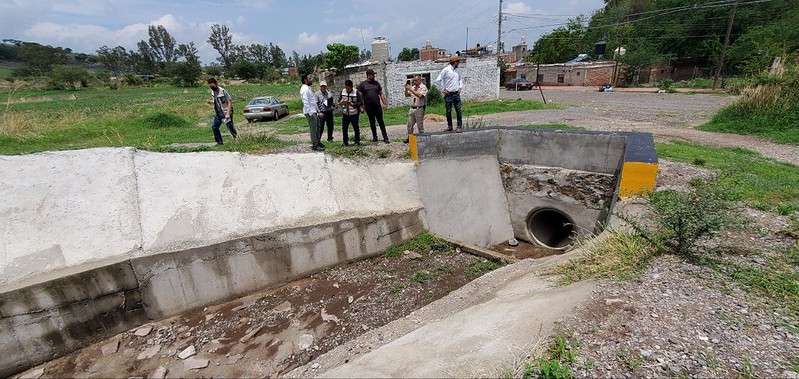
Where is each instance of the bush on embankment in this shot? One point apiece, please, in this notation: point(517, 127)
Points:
point(768, 108)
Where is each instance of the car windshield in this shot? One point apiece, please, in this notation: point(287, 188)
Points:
point(257, 102)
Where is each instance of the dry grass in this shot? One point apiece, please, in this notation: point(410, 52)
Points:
point(620, 255)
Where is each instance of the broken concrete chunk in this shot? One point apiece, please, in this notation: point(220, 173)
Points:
point(412, 254)
point(614, 301)
point(187, 352)
point(110, 348)
point(350, 299)
point(244, 320)
point(326, 317)
point(143, 331)
point(250, 334)
point(149, 353)
point(195, 363)
point(159, 373)
point(283, 307)
point(305, 342)
point(35, 374)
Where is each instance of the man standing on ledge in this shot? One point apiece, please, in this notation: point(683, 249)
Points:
point(223, 109)
point(451, 82)
point(418, 93)
point(374, 102)
point(311, 111)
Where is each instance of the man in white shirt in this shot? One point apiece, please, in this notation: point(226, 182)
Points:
point(418, 94)
point(451, 82)
point(311, 111)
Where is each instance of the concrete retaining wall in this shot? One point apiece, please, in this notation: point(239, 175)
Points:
point(97, 241)
point(66, 209)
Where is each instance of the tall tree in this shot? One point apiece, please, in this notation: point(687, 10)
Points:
point(113, 58)
point(38, 59)
point(188, 52)
point(277, 56)
point(339, 56)
point(259, 53)
point(162, 44)
point(145, 61)
point(222, 41)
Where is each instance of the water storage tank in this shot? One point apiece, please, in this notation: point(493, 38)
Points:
point(380, 49)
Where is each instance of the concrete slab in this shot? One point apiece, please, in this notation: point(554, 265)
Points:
point(479, 341)
point(464, 199)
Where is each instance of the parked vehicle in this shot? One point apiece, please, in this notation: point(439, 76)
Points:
point(265, 108)
point(518, 84)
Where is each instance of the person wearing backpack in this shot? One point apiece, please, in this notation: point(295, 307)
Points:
point(350, 103)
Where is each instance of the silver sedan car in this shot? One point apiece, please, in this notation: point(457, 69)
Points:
point(265, 108)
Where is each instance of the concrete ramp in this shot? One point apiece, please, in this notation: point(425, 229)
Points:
point(479, 341)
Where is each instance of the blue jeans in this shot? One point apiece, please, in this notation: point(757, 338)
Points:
point(450, 99)
point(217, 123)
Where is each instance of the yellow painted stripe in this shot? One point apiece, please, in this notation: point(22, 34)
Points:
point(637, 178)
point(413, 147)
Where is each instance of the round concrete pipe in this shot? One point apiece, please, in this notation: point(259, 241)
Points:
point(551, 228)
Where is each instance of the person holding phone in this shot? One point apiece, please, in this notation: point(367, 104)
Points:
point(350, 103)
point(223, 110)
point(418, 94)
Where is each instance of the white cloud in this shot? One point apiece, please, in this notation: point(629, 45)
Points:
point(518, 8)
point(308, 39)
point(353, 36)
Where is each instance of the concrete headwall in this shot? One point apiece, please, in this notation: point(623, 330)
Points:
point(65, 209)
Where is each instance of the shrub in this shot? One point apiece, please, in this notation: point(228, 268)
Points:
point(683, 219)
point(68, 77)
point(666, 85)
point(213, 71)
point(434, 96)
point(164, 120)
point(133, 80)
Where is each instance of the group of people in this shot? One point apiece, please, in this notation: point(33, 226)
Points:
point(368, 97)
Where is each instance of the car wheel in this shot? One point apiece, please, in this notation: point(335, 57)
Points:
point(276, 115)
point(249, 121)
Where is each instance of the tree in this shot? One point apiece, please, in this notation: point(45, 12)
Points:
point(309, 63)
point(187, 72)
point(340, 55)
point(563, 43)
point(222, 42)
point(408, 54)
point(144, 60)
point(248, 70)
point(277, 56)
point(188, 52)
point(162, 44)
point(38, 59)
point(69, 76)
point(113, 58)
point(259, 53)
point(365, 55)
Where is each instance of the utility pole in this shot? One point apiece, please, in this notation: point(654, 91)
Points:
point(724, 48)
point(467, 38)
point(499, 28)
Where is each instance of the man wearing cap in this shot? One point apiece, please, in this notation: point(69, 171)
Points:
point(418, 94)
point(374, 102)
point(324, 101)
point(451, 82)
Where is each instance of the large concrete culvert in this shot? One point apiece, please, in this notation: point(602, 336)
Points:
point(551, 228)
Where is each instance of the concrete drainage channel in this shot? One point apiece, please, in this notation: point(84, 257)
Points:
point(121, 254)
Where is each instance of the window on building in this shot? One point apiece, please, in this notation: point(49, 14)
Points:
point(524, 76)
point(561, 78)
point(578, 73)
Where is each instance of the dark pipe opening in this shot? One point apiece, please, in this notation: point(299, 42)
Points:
point(551, 228)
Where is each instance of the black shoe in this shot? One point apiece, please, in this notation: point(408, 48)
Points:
point(374, 139)
point(321, 145)
point(406, 140)
point(386, 141)
point(318, 148)
point(346, 144)
point(448, 129)
point(219, 144)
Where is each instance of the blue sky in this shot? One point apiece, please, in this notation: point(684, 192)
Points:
point(302, 26)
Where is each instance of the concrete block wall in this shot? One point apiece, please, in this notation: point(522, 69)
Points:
point(480, 77)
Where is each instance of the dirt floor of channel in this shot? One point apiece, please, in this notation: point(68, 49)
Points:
point(276, 330)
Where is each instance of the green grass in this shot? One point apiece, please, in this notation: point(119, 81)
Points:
point(760, 182)
point(6, 73)
point(481, 267)
point(422, 244)
point(777, 128)
point(37, 120)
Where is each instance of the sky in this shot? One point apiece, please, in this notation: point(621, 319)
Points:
point(304, 26)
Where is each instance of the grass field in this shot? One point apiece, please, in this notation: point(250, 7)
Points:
point(751, 178)
point(5, 73)
point(35, 121)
